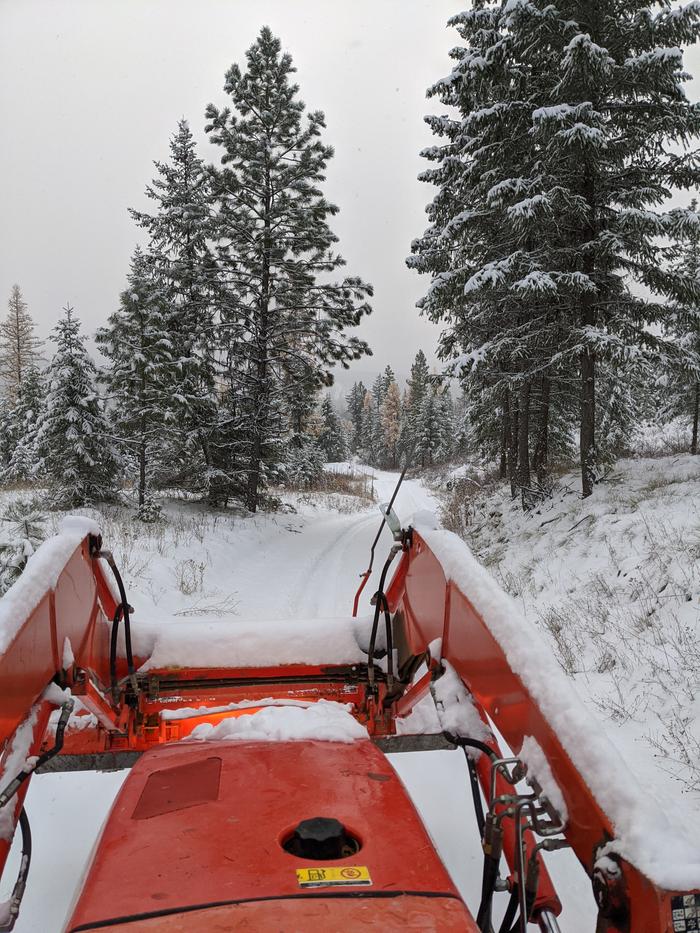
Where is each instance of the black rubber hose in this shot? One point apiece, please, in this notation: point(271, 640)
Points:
point(511, 910)
point(461, 742)
point(113, 649)
point(377, 610)
point(22, 875)
point(125, 614)
point(389, 643)
point(488, 885)
point(476, 793)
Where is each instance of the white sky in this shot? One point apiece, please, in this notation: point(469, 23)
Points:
point(91, 90)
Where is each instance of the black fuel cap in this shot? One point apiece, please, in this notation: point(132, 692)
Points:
point(321, 838)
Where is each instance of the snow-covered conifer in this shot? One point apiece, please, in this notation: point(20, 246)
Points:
point(19, 346)
point(182, 263)
point(682, 385)
point(331, 438)
point(74, 437)
point(139, 378)
point(390, 416)
point(552, 181)
point(355, 402)
point(22, 426)
point(282, 309)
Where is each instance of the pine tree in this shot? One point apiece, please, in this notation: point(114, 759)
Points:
point(19, 347)
point(182, 262)
point(390, 416)
point(418, 384)
point(331, 438)
point(682, 389)
point(22, 426)
point(139, 379)
point(282, 313)
point(74, 440)
point(550, 185)
point(368, 450)
point(355, 401)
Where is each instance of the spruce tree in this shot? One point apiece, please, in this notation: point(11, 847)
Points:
point(331, 438)
point(22, 426)
point(418, 384)
point(282, 311)
point(390, 416)
point(139, 379)
point(182, 263)
point(19, 346)
point(355, 402)
point(552, 180)
point(682, 382)
point(74, 439)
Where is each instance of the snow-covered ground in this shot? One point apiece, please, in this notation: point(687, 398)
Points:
point(302, 564)
point(614, 583)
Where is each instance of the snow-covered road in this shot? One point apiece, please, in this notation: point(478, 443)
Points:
point(303, 565)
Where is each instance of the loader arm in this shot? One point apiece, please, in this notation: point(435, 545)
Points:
point(60, 628)
point(440, 592)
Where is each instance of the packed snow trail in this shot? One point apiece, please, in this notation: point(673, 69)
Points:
point(304, 565)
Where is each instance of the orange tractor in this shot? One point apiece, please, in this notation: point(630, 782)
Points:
point(260, 797)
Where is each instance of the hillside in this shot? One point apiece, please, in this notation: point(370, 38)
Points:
point(613, 581)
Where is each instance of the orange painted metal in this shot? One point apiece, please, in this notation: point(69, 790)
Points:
point(196, 844)
point(409, 912)
point(433, 607)
point(77, 608)
point(203, 823)
point(40, 713)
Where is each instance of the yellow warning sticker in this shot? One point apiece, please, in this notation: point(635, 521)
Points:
point(326, 877)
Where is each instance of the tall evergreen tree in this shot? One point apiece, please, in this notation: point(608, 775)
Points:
point(331, 439)
point(182, 262)
point(22, 426)
point(391, 422)
point(418, 386)
point(355, 401)
point(682, 385)
point(282, 311)
point(19, 346)
point(551, 183)
point(74, 438)
point(139, 379)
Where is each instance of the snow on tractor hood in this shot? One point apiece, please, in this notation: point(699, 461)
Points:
point(241, 643)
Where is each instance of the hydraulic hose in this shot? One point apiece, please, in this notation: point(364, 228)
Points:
point(122, 611)
point(15, 900)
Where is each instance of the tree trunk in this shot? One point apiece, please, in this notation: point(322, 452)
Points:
point(696, 418)
point(260, 397)
point(587, 436)
point(142, 473)
point(541, 453)
point(513, 445)
point(505, 436)
point(524, 444)
point(588, 320)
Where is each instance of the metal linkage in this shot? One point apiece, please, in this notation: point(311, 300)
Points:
point(534, 812)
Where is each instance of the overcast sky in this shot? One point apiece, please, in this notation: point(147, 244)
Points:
point(91, 90)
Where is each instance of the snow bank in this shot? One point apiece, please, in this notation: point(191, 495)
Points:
point(41, 574)
point(664, 848)
point(213, 643)
point(323, 721)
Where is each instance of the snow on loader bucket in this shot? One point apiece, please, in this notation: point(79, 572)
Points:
point(260, 797)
